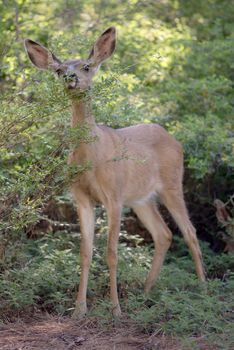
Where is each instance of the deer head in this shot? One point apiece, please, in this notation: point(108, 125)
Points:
point(77, 74)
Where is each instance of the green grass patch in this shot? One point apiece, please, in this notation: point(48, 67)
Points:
point(44, 274)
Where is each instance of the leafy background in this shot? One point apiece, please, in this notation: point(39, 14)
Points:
point(173, 65)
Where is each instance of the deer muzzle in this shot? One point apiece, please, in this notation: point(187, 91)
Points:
point(72, 80)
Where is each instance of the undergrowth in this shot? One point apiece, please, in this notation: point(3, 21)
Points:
point(43, 274)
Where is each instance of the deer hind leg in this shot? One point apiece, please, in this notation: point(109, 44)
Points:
point(114, 217)
point(174, 201)
point(162, 236)
point(86, 217)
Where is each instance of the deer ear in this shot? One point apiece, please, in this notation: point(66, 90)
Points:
point(40, 56)
point(103, 47)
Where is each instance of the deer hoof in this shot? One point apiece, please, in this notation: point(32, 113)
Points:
point(116, 311)
point(79, 312)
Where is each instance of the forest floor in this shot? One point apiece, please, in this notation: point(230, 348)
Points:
point(47, 332)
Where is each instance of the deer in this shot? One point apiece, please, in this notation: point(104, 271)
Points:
point(152, 166)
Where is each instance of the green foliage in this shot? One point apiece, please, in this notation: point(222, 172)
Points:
point(173, 65)
point(44, 274)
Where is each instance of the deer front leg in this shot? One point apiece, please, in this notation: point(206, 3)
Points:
point(86, 216)
point(114, 216)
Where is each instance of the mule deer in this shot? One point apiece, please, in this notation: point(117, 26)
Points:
point(124, 182)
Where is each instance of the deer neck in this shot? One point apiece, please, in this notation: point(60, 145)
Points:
point(82, 113)
point(82, 116)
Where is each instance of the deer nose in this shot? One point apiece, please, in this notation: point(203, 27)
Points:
point(70, 76)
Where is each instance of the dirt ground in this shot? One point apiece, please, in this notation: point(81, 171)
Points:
point(59, 333)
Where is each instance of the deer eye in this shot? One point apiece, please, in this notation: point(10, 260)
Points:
point(86, 67)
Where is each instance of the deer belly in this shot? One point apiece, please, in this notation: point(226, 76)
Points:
point(142, 191)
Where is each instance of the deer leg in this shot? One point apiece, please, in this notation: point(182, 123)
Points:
point(86, 217)
point(162, 236)
point(174, 201)
point(114, 216)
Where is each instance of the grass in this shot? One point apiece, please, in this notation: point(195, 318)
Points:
point(43, 274)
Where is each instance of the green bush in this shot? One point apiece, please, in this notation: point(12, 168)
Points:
point(173, 65)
